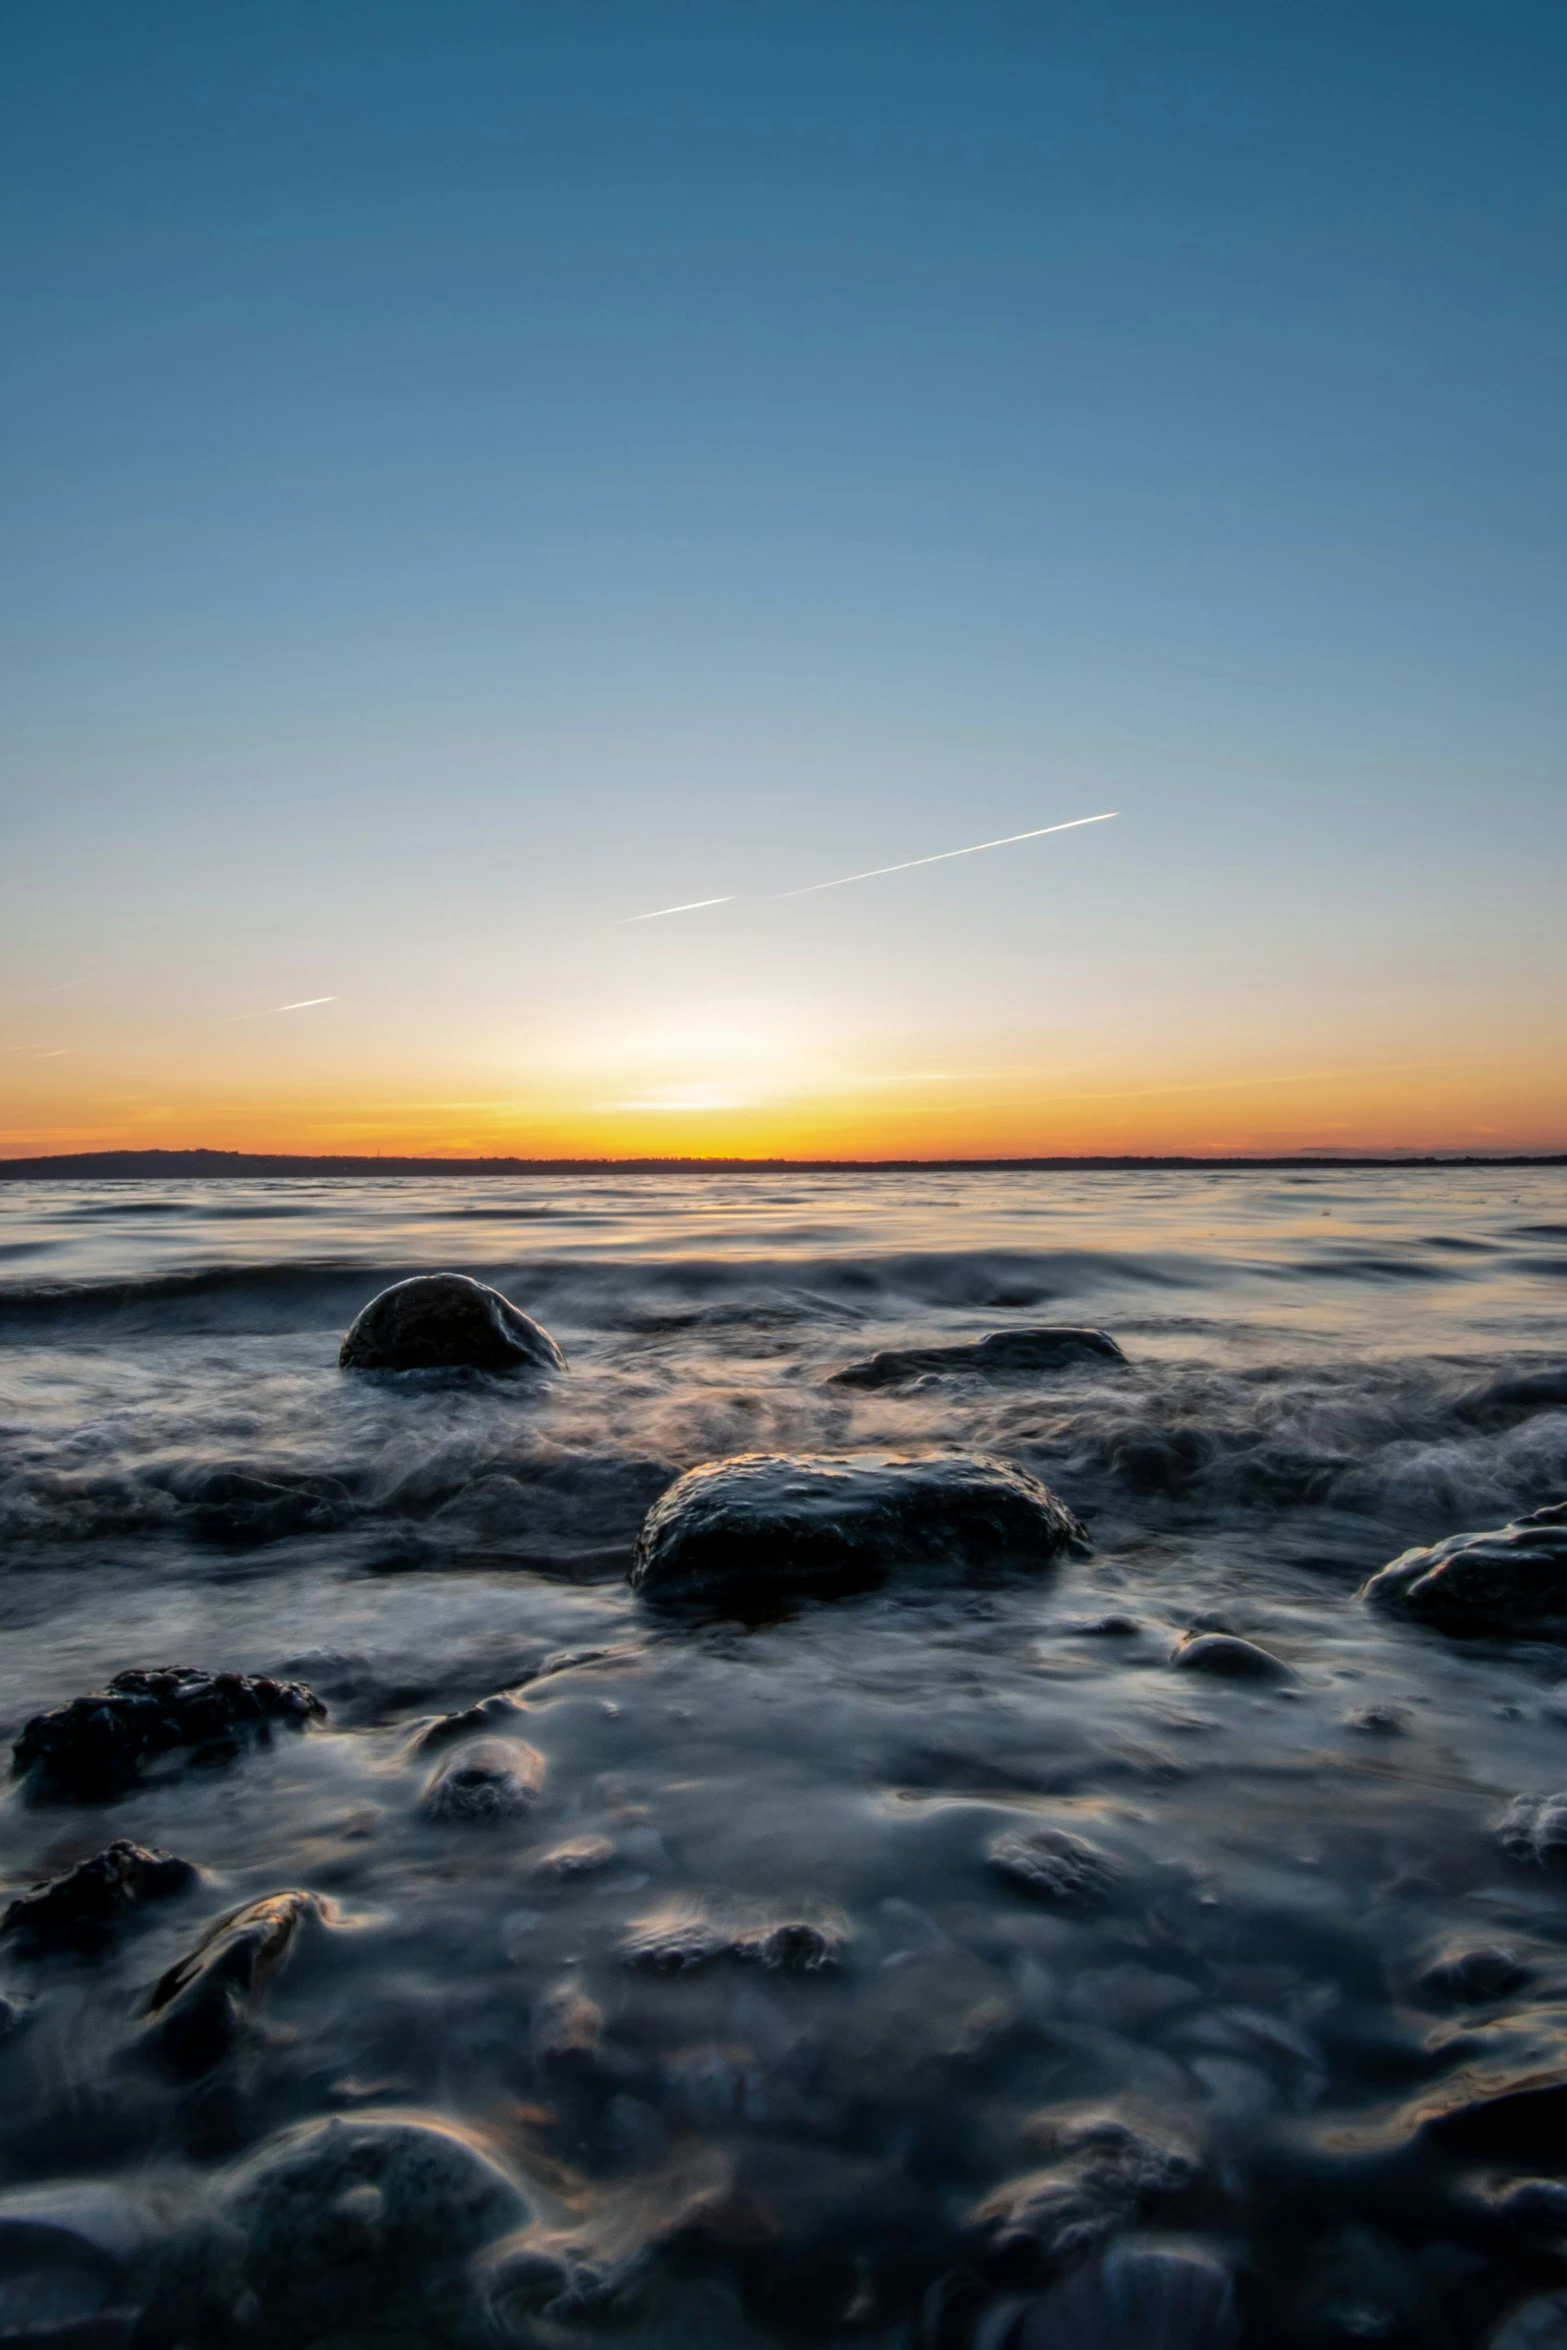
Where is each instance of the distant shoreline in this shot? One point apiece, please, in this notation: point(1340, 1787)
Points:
point(138, 1166)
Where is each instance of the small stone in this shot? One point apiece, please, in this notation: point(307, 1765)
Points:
point(1005, 1354)
point(446, 1321)
point(491, 1780)
point(1512, 1579)
point(200, 2008)
point(679, 1940)
point(1052, 1864)
point(569, 1862)
point(768, 1524)
point(1228, 1658)
point(1472, 1978)
point(96, 1747)
point(503, 1712)
point(82, 1909)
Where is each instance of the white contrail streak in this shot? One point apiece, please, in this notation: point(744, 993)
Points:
point(942, 855)
point(694, 907)
point(306, 1003)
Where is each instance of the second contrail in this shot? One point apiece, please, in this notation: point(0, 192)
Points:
point(942, 855)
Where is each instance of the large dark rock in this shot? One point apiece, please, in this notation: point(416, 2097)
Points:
point(1005, 1354)
point(1512, 1579)
point(445, 1321)
point(199, 2009)
point(1227, 1657)
point(82, 1909)
point(767, 1524)
point(96, 1747)
point(1105, 2173)
point(364, 2225)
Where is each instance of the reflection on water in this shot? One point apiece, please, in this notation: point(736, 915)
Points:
point(733, 2022)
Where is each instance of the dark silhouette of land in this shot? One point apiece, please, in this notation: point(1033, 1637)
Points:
point(139, 1166)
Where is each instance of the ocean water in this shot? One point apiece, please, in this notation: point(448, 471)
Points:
point(735, 2151)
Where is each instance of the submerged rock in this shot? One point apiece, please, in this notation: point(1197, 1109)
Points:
point(1106, 2173)
point(1228, 1658)
point(1510, 1579)
point(1138, 2297)
point(200, 2008)
point(1052, 1864)
point(70, 2250)
point(1472, 1978)
point(1534, 1828)
point(446, 1321)
point(678, 1940)
point(366, 2224)
point(95, 1747)
point(489, 1780)
point(1004, 1354)
point(501, 1712)
point(82, 1909)
point(767, 1524)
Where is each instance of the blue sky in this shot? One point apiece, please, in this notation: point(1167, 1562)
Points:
point(475, 472)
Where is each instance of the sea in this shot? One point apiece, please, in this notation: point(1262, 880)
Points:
point(733, 2031)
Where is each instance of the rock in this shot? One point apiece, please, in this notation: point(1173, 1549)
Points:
point(1510, 1580)
point(1228, 1658)
point(1539, 2324)
point(366, 2224)
point(678, 1940)
point(96, 1747)
point(445, 1321)
point(1524, 1391)
point(765, 1524)
point(1136, 2297)
point(568, 1863)
point(503, 1712)
point(1052, 1864)
point(1106, 2173)
point(1472, 1978)
point(1534, 1828)
point(82, 1909)
point(70, 2250)
point(200, 2008)
point(1004, 1354)
point(487, 1781)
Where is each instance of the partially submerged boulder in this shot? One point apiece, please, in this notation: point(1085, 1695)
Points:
point(82, 1909)
point(765, 1525)
point(688, 1935)
point(200, 2008)
point(1105, 2172)
point(96, 1747)
point(1052, 1864)
point(1226, 1657)
point(485, 1782)
point(1005, 1354)
point(352, 2225)
point(446, 1321)
point(1511, 1579)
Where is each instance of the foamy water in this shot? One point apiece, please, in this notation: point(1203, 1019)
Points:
point(186, 1477)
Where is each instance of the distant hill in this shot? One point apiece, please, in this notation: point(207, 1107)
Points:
point(139, 1166)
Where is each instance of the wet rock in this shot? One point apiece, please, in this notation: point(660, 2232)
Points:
point(502, 1712)
point(764, 1524)
point(199, 2010)
point(1105, 2174)
point(228, 1503)
point(1005, 1354)
point(70, 2253)
point(445, 1321)
point(1540, 2324)
point(1228, 1658)
point(96, 1747)
point(679, 1940)
point(362, 2223)
point(569, 1863)
point(1512, 1579)
point(1053, 1865)
point(485, 1783)
point(1534, 1828)
point(82, 1909)
point(1472, 1978)
point(1136, 2297)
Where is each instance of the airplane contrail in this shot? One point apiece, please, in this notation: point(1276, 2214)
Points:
point(306, 1003)
point(942, 855)
point(695, 906)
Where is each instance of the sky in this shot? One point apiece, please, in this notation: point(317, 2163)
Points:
point(476, 472)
